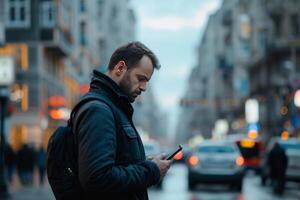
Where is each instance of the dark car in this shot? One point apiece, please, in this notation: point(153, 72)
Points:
point(216, 162)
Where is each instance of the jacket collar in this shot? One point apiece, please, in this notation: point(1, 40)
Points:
point(105, 84)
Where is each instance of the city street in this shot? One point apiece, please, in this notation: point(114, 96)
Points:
point(175, 187)
point(81, 88)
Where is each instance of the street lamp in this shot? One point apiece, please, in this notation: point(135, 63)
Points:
point(297, 98)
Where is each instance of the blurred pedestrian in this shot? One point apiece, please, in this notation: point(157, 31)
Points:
point(111, 156)
point(10, 161)
point(25, 164)
point(41, 163)
point(277, 162)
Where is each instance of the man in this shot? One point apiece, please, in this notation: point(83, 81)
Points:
point(111, 157)
point(277, 161)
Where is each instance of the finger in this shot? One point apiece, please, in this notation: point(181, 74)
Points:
point(150, 157)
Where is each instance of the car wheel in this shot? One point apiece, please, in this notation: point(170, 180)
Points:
point(239, 186)
point(191, 184)
point(263, 180)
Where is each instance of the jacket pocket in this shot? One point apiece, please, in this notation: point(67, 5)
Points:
point(129, 131)
point(131, 144)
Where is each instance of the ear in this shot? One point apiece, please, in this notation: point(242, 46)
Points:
point(120, 68)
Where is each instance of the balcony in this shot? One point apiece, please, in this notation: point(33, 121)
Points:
point(58, 40)
point(56, 27)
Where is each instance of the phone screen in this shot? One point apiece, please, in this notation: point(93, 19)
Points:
point(174, 153)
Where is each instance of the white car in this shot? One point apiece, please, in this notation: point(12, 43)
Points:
point(216, 162)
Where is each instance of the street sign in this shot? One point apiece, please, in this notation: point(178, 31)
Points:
point(7, 71)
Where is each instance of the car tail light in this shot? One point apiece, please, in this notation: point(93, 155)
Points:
point(178, 156)
point(193, 160)
point(239, 161)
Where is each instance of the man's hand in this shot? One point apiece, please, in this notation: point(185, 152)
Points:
point(162, 164)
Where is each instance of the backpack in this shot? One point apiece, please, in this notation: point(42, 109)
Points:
point(62, 156)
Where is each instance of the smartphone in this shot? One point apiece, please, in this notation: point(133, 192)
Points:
point(175, 152)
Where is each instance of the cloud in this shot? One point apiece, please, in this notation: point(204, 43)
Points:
point(169, 100)
point(181, 71)
point(177, 22)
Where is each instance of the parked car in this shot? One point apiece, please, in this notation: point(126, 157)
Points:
point(216, 162)
point(292, 149)
point(252, 151)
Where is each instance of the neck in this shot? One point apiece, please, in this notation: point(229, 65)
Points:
point(113, 77)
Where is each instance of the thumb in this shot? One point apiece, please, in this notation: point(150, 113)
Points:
point(162, 156)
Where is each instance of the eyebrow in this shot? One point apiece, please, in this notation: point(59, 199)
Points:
point(144, 77)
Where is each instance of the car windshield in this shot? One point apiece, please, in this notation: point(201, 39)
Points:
point(216, 149)
point(290, 146)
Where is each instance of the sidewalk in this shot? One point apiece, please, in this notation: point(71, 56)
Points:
point(32, 193)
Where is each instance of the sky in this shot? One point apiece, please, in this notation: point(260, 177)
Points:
point(172, 29)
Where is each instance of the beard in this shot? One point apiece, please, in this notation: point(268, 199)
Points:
point(125, 86)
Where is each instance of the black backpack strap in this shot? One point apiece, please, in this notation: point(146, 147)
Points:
point(82, 106)
point(84, 103)
point(77, 108)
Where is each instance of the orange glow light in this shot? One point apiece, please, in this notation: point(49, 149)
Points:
point(84, 88)
point(239, 161)
point(284, 135)
point(57, 101)
point(24, 101)
point(252, 134)
point(247, 143)
point(193, 160)
point(56, 114)
point(24, 57)
point(178, 156)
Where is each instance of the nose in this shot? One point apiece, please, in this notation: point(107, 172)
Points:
point(143, 87)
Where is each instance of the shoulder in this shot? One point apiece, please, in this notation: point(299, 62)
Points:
point(95, 106)
point(91, 112)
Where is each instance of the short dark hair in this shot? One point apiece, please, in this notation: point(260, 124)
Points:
point(131, 54)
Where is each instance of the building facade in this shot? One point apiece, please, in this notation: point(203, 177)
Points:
point(39, 37)
point(55, 45)
point(116, 26)
point(249, 49)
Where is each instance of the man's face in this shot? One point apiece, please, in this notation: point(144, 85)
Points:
point(136, 78)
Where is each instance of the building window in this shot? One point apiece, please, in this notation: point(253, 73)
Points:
point(17, 13)
point(100, 7)
point(277, 20)
point(82, 6)
point(114, 12)
point(47, 14)
point(66, 15)
point(295, 25)
point(82, 34)
point(261, 41)
point(20, 96)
